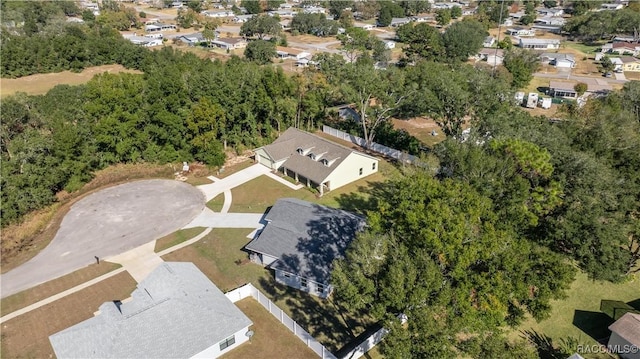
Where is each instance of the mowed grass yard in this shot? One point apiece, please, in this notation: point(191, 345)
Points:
point(260, 193)
point(41, 83)
point(27, 336)
point(579, 314)
point(271, 339)
point(177, 237)
point(30, 296)
point(220, 256)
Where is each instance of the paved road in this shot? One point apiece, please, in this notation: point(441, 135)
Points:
point(565, 76)
point(107, 223)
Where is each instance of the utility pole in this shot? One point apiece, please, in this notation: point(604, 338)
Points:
point(495, 54)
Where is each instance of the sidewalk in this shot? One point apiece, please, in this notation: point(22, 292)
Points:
point(212, 190)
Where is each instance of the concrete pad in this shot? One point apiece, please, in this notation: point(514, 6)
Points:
point(210, 219)
point(107, 223)
point(139, 262)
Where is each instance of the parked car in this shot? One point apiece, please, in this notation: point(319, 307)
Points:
point(607, 74)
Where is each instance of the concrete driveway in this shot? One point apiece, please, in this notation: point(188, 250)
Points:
point(620, 76)
point(107, 223)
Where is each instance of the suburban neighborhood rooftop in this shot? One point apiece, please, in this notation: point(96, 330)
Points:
point(176, 312)
point(306, 237)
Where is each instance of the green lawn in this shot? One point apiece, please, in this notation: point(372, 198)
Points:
point(216, 203)
point(219, 255)
point(177, 237)
point(582, 307)
point(587, 49)
point(260, 193)
point(534, 84)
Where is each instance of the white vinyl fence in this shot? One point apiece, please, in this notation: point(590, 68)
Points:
point(249, 290)
point(376, 147)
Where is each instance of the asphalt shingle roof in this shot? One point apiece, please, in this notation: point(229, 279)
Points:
point(176, 312)
point(287, 144)
point(306, 237)
point(628, 327)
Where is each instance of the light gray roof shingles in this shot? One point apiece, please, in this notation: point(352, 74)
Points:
point(288, 142)
point(306, 237)
point(176, 312)
point(628, 327)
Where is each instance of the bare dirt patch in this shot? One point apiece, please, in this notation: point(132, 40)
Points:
point(41, 83)
point(310, 39)
point(421, 128)
point(27, 336)
point(30, 296)
point(21, 242)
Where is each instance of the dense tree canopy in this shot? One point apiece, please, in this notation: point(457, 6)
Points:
point(260, 26)
point(603, 24)
point(314, 24)
point(437, 253)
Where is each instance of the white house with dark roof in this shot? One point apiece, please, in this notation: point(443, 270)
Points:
point(315, 161)
point(176, 312)
point(625, 336)
point(300, 242)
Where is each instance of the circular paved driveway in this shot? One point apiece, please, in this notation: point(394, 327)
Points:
point(107, 223)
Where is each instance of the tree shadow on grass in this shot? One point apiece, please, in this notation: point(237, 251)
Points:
point(543, 344)
point(594, 324)
point(635, 303)
point(358, 202)
point(328, 323)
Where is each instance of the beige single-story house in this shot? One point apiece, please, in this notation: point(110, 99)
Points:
point(290, 52)
point(176, 312)
point(625, 336)
point(300, 242)
point(315, 161)
point(630, 64)
point(230, 43)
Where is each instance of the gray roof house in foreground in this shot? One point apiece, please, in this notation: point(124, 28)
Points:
point(176, 312)
point(625, 336)
point(315, 161)
point(300, 242)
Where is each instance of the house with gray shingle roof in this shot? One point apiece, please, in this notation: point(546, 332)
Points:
point(625, 336)
point(176, 312)
point(300, 242)
point(315, 161)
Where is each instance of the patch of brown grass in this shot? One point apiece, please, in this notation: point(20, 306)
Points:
point(310, 39)
point(45, 290)
point(41, 83)
point(421, 128)
point(632, 75)
point(27, 336)
point(177, 237)
point(234, 165)
point(22, 241)
point(271, 339)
